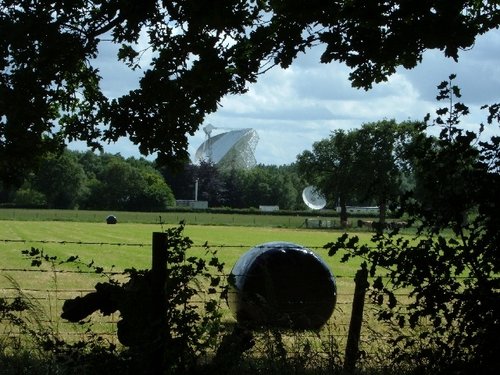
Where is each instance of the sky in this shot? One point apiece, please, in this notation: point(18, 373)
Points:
point(293, 108)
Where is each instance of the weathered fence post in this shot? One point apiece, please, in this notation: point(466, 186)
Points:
point(358, 303)
point(159, 303)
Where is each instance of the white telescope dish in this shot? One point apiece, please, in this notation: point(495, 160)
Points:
point(313, 198)
point(235, 148)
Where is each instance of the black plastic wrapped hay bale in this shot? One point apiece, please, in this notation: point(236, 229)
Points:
point(111, 219)
point(281, 284)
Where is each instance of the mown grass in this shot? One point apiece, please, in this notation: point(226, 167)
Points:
point(189, 217)
point(128, 244)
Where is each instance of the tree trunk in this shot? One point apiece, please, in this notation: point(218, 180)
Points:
point(382, 212)
point(343, 213)
point(381, 216)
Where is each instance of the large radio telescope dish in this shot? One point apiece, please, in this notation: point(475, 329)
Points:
point(232, 149)
point(313, 198)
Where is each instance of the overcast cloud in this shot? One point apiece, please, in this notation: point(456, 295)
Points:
point(291, 109)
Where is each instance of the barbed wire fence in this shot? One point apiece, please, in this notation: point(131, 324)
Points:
point(52, 297)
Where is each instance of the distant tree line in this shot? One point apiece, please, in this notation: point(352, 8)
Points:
point(88, 180)
point(239, 188)
point(92, 181)
point(364, 166)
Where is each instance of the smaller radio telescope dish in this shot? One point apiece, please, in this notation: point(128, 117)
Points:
point(313, 198)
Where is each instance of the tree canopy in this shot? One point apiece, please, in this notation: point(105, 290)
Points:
point(50, 89)
point(90, 181)
point(450, 268)
point(238, 188)
point(331, 167)
point(364, 165)
point(87, 180)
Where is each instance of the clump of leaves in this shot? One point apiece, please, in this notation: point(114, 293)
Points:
point(451, 267)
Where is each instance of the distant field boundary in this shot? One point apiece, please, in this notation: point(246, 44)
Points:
point(279, 219)
point(170, 217)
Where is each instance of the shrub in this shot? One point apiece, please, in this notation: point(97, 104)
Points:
point(452, 322)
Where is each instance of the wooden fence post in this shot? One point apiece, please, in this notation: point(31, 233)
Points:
point(358, 303)
point(159, 303)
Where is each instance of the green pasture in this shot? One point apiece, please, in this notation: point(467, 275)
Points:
point(127, 245)
point(189, 217)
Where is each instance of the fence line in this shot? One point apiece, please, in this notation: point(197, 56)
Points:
point(106, 326)
point(123, 272)
point(75, 242)
point(193, 246)
point(60, 271)
point(198, 246)
point(55, 296)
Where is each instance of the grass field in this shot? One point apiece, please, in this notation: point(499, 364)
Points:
point(235, 233)
point(189, 217)
point(128, 244)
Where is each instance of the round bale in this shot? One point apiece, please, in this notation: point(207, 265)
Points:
point(111, 219)
point(283, 285)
